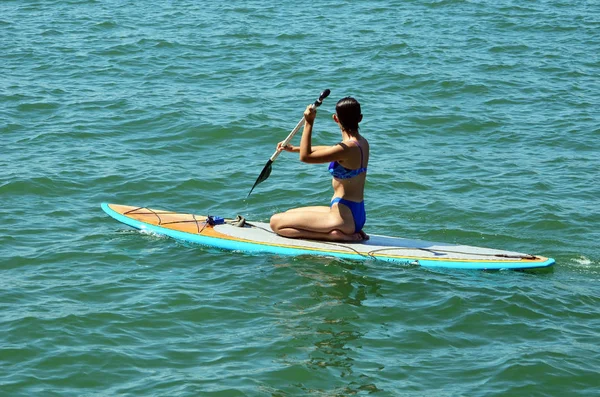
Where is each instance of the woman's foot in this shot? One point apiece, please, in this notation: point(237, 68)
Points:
point(337, 235)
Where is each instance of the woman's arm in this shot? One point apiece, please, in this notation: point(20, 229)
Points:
point(306, 141)
point(296, 149)
point(325, 154)
point(317, 154)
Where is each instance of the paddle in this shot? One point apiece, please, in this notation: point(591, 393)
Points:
point(267, 169)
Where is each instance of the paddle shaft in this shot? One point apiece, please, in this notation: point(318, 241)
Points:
point(289, 137)
point(317, 103)
point(267, 169)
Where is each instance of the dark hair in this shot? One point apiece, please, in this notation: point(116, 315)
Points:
point(348, 113)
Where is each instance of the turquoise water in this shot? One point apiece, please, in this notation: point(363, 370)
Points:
point(484, 126)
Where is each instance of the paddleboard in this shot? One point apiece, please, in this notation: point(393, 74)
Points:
point(257, 237)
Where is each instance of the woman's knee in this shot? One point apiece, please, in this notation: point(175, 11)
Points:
point(274, 222)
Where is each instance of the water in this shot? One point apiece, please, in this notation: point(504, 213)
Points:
point(484, 127)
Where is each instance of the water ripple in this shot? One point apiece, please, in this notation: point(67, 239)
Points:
point(484, 131)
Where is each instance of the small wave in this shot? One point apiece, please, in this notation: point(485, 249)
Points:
point(106, 25)
point(509, 48)
point(151, 233)
point(583, 261)
point(33, 106)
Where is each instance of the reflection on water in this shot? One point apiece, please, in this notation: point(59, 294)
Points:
point(325, 324)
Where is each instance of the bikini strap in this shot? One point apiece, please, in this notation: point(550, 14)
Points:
point(361, 154)
point(359, 148)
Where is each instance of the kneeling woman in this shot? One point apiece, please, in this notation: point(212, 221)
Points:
point(345, 217)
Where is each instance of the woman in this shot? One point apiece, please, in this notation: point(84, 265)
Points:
point(345, 217)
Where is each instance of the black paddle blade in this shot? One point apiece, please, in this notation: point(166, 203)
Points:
point(263, 175)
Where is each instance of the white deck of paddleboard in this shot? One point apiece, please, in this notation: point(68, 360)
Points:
point(261, 233)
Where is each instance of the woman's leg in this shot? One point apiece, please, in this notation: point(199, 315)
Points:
point(320, 223)
point(320, 208)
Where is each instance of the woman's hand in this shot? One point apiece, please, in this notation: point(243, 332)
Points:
point(287, 148)
point(309, 114)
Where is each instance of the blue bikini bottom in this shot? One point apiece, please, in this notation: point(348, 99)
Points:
point(358, 211)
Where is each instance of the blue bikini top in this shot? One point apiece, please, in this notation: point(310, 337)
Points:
point(338, 171)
